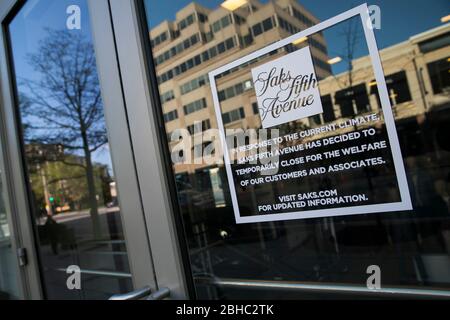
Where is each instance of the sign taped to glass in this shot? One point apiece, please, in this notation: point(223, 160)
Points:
point(336, 168)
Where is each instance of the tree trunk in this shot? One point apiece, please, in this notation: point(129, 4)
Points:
point(91, 189)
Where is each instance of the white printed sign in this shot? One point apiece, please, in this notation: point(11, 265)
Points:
point(345, 167)
point(287, 89)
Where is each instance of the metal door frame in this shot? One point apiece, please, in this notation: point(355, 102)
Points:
point(131, 205)
point(146, 190)
point(17, 191)
point(171, 261)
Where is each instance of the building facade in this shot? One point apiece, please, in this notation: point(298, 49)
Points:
point(93, 110)
point(200, 40)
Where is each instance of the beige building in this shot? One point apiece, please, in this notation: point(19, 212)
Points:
point(417, 78)
point(201, 40)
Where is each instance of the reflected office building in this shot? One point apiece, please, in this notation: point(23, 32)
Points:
point(416, 73)
point(418, 84)
point(212, 38)
point(90, 117)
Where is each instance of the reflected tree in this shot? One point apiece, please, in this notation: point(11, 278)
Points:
point(351, 38)
point(61, 104)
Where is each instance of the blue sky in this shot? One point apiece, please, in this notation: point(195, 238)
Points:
point(28, 28)
point(30, 23)
point(400, 19)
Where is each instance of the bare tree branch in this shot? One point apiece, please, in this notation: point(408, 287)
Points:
point(61, 106)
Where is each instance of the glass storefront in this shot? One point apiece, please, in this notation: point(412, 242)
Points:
point(411, 247)
point(261, 149)
point(71, 184)
point(9, 286)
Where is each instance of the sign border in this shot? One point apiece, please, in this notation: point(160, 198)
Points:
point(405, 203)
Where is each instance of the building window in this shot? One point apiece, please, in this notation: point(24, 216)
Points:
point(199, 126)
point(287, 26)
point(246, 40)
point(197, 60)
point(167, 96)
point(238, 19)
point(159, 39)
point(235, 90)
point(179, 48)
point(198, 149)
point(202, 17)
point(257, 29)
point(194, 106)
point(267, 24)
point(186, 22)
point(255, 108)
point(315, 120)
point(229, 43)
point(353, 100)
point(301, 17)
point(174, 34)
point(261, 27)
point(439, 75)
point(170, 116)
point(233, 115)
point(207, 37)
point(221, 48)
point(194, 84)
point(221, 23)
point(435, 43)
point(328, 110)
point(398, 89)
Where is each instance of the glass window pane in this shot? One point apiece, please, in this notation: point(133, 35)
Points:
point(257, 29)
point(439, 74)
point(68, 166)
point(411, 247)
point(9, 270)
point(267, 24)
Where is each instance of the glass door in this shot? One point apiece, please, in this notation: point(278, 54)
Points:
point(70, 154)
point(10, 274)
point(360, 186)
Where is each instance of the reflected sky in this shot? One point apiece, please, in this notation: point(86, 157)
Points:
point(400, 19)
point(30, 26)
point(30, 23)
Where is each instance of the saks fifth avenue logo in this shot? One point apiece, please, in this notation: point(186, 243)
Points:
point(287, 89)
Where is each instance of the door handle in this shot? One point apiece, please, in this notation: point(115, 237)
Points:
point(133, 295)
point(161, 294)
point(142, 293)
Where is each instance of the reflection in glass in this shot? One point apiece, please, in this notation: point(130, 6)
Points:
point(66, 152)
point(412, 248)
point(8, 267)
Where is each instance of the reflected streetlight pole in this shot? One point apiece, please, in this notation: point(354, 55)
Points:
point(48, 206)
